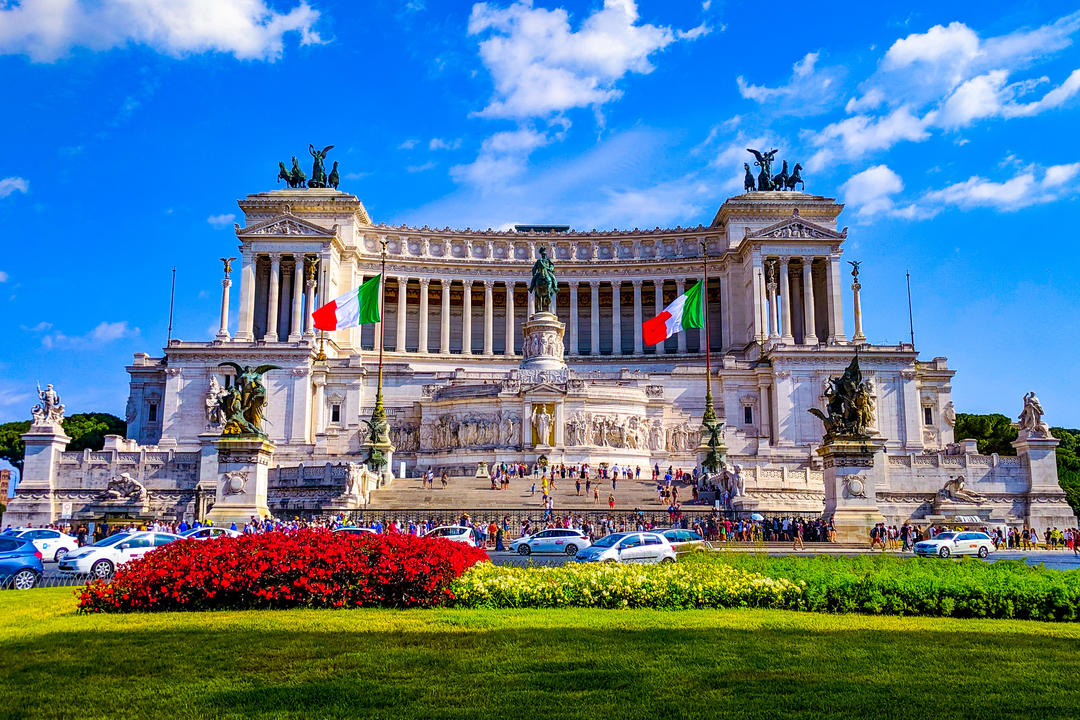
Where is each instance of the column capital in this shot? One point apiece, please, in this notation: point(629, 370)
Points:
point(226, 282)
point(425, 282)
point(488, 284)
point(637, 282)
point(467, 282)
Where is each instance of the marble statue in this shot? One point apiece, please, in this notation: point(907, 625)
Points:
point(954, 490)
point(214, 395)
point(542, 422)
point(123, 487)
point(242, 404)
point(733, 481)
point(544, 286)
point(1031, 423)
point(949, 413)
point(849, 407)
point(49, 411)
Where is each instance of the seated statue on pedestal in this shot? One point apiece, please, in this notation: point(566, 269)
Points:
point(954, 490)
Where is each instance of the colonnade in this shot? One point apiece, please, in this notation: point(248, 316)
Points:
point(292, 273)
point(800, 300)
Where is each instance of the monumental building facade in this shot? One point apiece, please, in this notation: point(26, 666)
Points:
point(462, 385)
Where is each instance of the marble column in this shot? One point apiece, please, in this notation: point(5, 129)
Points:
point(223, 330)
point(572, 348)
point(836, 301)
point(444, 318)
point(246, 330)
point(787, 336)
point(594, 325)
point(402, 310)
point(774, 315)
point(637, 317)
point(489, 310)
point(509, 350)
point(309, 330)
point(318, 423)
point(809, 333)
point(295, 327)
point(422, 339)
point(856, 307)
point(658, 306)
point(681, 337)
point(616, 317)
point(272, 308)
point(531, 306)
point(466, 318)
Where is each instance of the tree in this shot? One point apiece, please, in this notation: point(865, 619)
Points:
point(1068, 463)
point(994, 432)
point(86, 430)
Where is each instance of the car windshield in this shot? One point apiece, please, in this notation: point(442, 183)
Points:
point(609, 540)
point(945, 536)
point(112, 539)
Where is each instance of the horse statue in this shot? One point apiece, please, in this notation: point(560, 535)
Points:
point(544, 286)
point(780, 180)
point(283, 174)
point(334, 178)
point(795, 178)
point(849, 409)
point(296, 175)
point(748, 178)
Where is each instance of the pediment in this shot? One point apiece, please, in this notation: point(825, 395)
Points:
point(543, 388)
point(796, 227)
point(285, 225)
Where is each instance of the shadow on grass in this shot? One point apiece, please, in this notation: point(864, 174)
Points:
point(559, 672)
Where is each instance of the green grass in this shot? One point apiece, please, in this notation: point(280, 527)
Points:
point(498, 664)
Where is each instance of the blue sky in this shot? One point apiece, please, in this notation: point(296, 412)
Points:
point(132, 127)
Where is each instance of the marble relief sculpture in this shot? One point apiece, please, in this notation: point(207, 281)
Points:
point(124, 487)
point(628, 433)
point(954, 490)
point(214, 394)
point(542, 421)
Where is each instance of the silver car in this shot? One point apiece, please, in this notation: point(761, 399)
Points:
point(553, 540)
point(629, 547)
point(965, 542)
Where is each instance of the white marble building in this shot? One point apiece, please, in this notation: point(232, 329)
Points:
point(454, 305)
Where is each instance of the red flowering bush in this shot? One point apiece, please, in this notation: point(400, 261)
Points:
point(306, 568)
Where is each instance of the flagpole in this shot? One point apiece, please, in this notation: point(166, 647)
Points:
point(382, 284)
point(711, 429)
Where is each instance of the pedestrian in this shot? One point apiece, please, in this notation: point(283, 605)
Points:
point(596, 495)
point(611, 501)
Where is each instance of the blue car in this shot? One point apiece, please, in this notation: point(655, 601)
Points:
point(20, 563)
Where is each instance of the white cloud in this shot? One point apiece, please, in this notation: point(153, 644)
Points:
point(440, 144)
point(220, 221)
point(540, 66)
point(854, 137)
point(11, 185)
point(502, 157)
point(105, 332)
point(1060, 174)
point(1015, 193)
point(247, 29)
point(3, 276)
point(408, 144)
point(10, 396)
point(420, 168)
point(810, 90)
point(871, 193)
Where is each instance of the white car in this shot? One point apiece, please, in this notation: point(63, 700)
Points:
point(209, 532)
point(52, 544)
point(965, 542)
point(103, 557)
point(556, 540)
point(355, 531)
point(635, 547)
point(457, 533)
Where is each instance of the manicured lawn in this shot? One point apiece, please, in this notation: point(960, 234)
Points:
point(536, 664)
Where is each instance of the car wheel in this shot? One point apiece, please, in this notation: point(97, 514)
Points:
point(943, 552)
point(667, 560)
point(60, 554)
point(24, 580)
point(571, 549)
point(102, 569)
point(524, 549)
point(983, 552)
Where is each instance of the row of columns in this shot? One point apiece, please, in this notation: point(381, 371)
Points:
point(510, 329)
point(303, 287)
point(779, 323)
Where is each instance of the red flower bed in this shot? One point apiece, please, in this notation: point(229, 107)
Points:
point(307, 568)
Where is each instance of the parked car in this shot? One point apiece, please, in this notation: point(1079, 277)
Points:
point(207, 533)
point(355, 531)
point(457, 533)
point(53, 544)
point(103, 557)
point(20, 563)
point(683, 541)
point(556, 540)
point(966, 542)
point(637, 547)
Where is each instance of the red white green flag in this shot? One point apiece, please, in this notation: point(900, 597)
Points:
point(354, 308)
point(683, 313)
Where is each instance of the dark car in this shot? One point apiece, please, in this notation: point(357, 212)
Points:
point(20, 563)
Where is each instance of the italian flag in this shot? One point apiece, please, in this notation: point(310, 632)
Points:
point(354, 308)
point(683, 313)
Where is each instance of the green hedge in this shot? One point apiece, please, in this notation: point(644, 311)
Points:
point(871, 584)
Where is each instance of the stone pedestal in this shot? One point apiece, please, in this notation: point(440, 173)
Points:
point(35, 499)
point(1046, 500)
point(243, 470)
point(854, 469)
point(482, 471)
point(386, 474)
point(543, 346)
